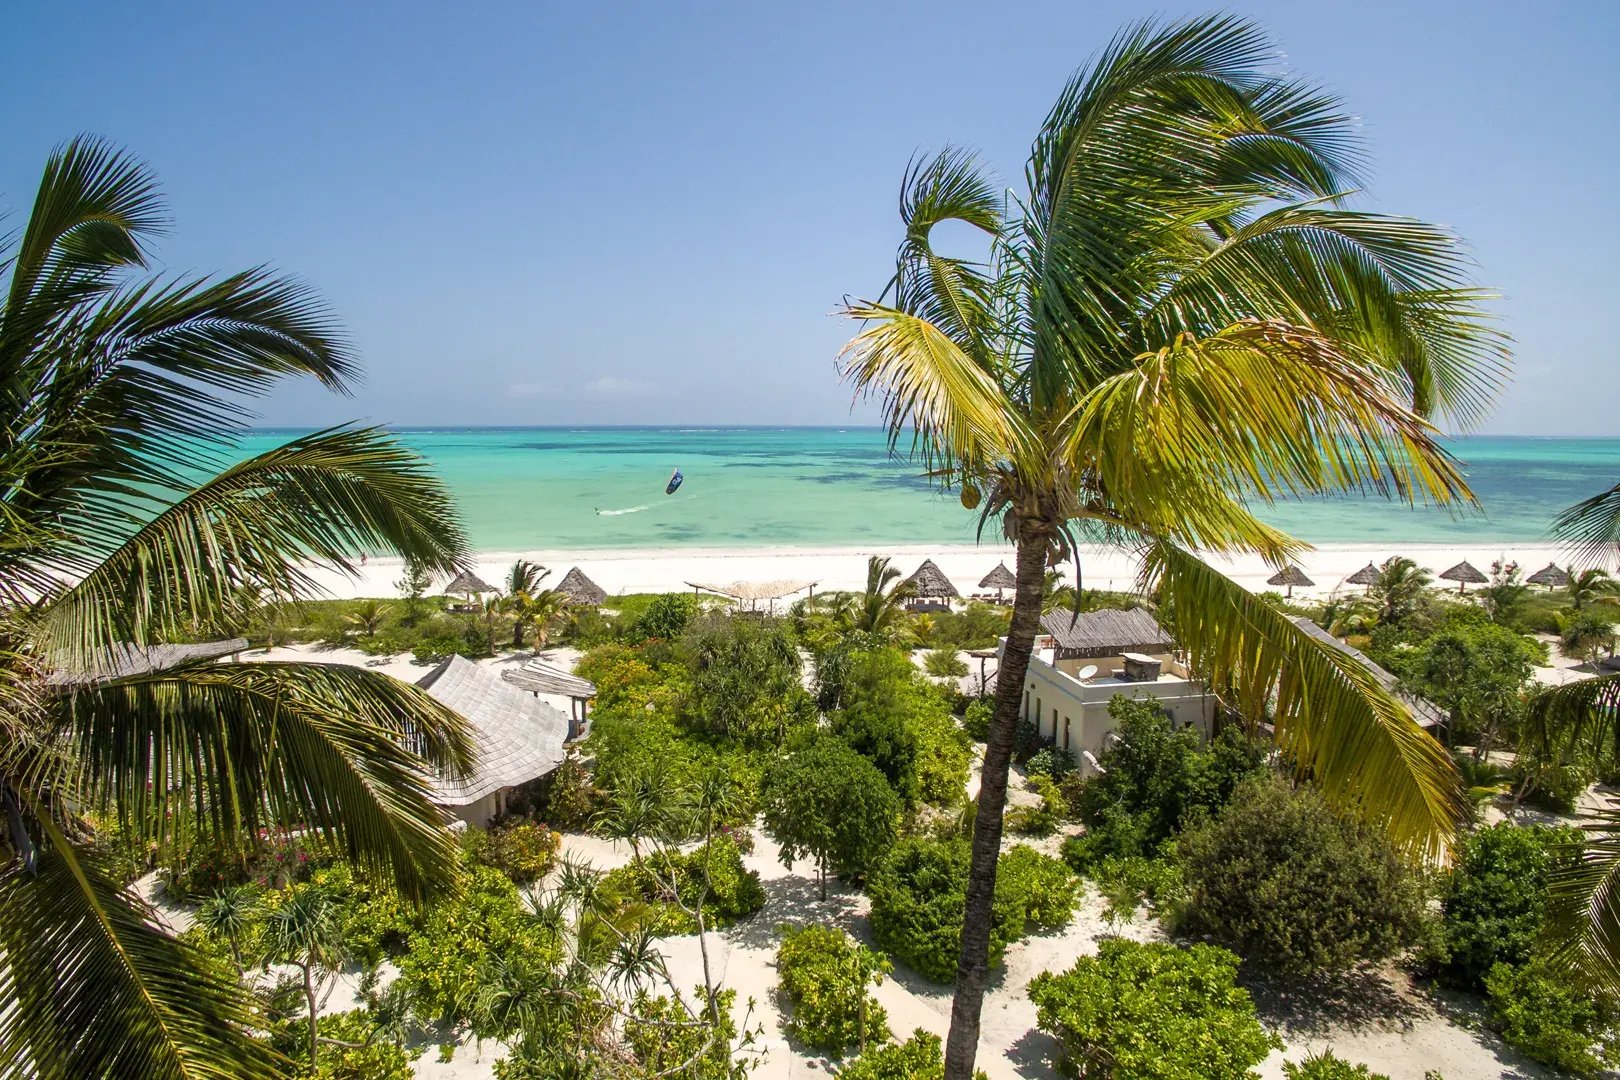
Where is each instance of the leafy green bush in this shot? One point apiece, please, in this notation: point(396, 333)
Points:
point(1127, 881)
point(918, 1058)
point(1328, 1066)
point(665, 617)
point(824, 976)
point(373, 919)
point(572, 799)
point(900, 721)
point(1050, 762)
point(745, 681)
point(1294, 886)
point(354, 1049)
point(1544, 1015)
point(1044, 818)
point(976, 718)
point(1039, 885)
point(828, 803)
point(618, 672)
point(522, 850)
point(1153, 1012)
point(944, 664)
point(1494, 901)
point(435, 649)
point(733, 893)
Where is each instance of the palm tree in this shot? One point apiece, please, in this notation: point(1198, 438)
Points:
point(304, 931)
point(880, 608)
point(1590, 586)
point(542, 612)
point(229, 914)
point(367, 616)
point(1399, 588)
point(1178, 317)
point(522, 585)
point(120, 396)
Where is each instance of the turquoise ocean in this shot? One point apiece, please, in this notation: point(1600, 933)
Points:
point(763, 487)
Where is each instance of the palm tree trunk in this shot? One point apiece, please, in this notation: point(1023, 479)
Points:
point(973, 965)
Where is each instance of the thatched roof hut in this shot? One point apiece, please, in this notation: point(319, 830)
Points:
point(518, 738)
point(1367, 575)
point(999, 579)
point(1550, 576)
point(1290, 576)
point(467, 584)
point(1464, 574)
point(1105, 633)
point(930, 583)
point(581, 590)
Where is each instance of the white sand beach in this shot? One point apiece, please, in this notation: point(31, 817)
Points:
point(664, 570)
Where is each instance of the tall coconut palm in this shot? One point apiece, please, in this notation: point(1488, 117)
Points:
point(1178, 318)
point(541, 614)
point(1592, 585)
point(522, 593)
point(124, 525)
point(880, 608)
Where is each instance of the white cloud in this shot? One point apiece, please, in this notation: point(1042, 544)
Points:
point(612, 386)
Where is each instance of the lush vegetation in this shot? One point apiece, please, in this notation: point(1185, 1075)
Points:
point(1153, 1012)
point(1295, 886)
point(827, 803)
point(1328, 1066)
point(825, 978)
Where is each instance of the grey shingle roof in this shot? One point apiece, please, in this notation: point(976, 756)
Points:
point(519, 738)
point(1424, 711)
point(1107, 632)
point(129, 660)
point(541, 678)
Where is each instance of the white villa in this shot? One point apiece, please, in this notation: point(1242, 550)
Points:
point(519, 738)
point(1081, 662)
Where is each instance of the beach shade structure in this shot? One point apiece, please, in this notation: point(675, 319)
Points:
point(1464, 574)
point(467, 584)
point(930, 589)
point(538, 677)
point(1550, 576)
point(1367, 575)
point(752, 592)
point(999, 579)
point(1290, 577)
point(580, 590)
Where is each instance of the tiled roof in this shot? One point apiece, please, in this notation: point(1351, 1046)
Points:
point(519, 738)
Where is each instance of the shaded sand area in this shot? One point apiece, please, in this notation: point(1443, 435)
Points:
point(1377, 1017)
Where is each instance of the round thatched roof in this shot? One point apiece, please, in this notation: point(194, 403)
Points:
point(467, 584)
point(930, 581)
point(1367, 575)
point(1465, 572)
point(1550, 576)
point(1292, 575)
point(580, 589)
point(999, 578)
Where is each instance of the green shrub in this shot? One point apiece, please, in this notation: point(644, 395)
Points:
point(374, 921)
point(522, 850)
point(734, 892)
point(357, 1050)
point(1128, 881)
point(1494, 900)
point(944, 664)
point(745, 681)
point(903, 724)
point(666, 618)
point(1044, 818)
point(1153, 1012)
point(976, 718)
point(1052, 763)
point(1039, 885)
point(1294, 886)
point(828, 803)
point(824, 976)
point(1328, 1066)
point(435, 649)
point(918, 1058)
point(1542, 1014)
point(572, 799)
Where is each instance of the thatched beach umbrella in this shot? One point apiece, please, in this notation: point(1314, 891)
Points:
point(1550, 576)
point(1463, 574)
point(999, 579)
point(930, 583)
point(1290, 577)
point(467, 584)
point(1367, 575)
point(581, 590)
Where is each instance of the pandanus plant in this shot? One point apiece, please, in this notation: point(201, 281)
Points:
point(1178, 319)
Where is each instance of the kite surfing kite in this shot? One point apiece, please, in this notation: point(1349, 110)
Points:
point(675, 479)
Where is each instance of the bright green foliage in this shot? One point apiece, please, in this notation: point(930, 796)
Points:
point(918, 1058)
point(1153, 1012)
point(522, 850)
point(663, 1039)
point(733, 891)
point(618, 671)
point(745, 681)
point(488, 919)
point(893, 716)
point(1042, 886)
point(1553, 1020)
point(919, 893)
point(358, 1051)
point(976, 718)
point(665, 618)
point(944, 664)
point(572, 799)
point(1494, 902)
point(824, 975)
point(1156, 778)
point(374, 921)
point(1328, 1066)
point(828, 803)
point(1043, 818)
point(1477, 672)
point(1588, 634)
point(1293, 885)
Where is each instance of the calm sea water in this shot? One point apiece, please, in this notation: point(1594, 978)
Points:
point(538, 488)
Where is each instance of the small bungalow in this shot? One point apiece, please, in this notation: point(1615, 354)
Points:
point(580, 590)
point(930, 589)
point(519, 738)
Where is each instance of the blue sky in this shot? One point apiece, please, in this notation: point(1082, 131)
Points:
point(582, 213)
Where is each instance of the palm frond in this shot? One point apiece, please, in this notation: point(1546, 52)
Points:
point(90, 987)
point(1583, 901)
point(1591, 528)
point(1332, 718)
point(341, 751)
point(317, 499)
